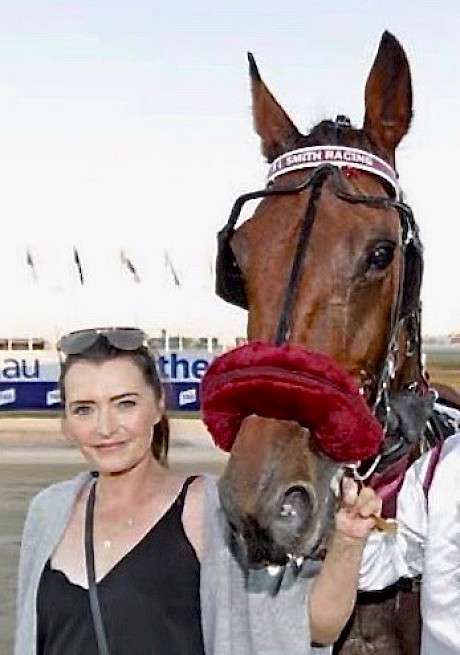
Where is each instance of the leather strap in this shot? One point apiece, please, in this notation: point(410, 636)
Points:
point(92, 588)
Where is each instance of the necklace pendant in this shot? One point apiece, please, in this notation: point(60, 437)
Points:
point(107, 543)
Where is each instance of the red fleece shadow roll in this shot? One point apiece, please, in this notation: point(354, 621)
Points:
point(289, 382)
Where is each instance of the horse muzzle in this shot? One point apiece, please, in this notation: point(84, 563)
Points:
point(289, 524)
point(275, 492)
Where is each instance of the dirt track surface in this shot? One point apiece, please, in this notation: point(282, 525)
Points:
point(33, 454)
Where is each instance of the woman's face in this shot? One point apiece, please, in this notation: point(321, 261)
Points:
point(110, 412)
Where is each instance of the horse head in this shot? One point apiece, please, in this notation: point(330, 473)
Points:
point(330, 261)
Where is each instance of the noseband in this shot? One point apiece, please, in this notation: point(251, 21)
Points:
point(327, 162)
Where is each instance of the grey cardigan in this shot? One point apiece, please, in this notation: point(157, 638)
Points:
point(239, 616)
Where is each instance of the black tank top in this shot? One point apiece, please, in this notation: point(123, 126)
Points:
point(150, 599)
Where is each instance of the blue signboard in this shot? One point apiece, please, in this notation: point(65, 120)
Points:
point(29, 381)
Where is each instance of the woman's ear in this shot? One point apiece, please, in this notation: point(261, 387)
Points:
point(162, 405)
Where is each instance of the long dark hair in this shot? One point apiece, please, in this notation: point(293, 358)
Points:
point(102, 351)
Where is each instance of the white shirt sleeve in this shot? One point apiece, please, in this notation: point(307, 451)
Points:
point(387, 558)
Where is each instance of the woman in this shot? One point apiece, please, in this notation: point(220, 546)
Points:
point(167, 582)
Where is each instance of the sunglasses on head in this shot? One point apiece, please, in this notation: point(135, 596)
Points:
point(76, 343)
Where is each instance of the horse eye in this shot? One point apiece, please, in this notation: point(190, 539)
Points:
point(380, 257)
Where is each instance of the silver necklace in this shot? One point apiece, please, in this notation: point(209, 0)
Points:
point(128, 524)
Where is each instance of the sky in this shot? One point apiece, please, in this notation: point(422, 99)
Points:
point(128, 125)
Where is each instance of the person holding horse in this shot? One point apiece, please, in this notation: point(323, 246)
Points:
point(134, 557)
point(427, 544)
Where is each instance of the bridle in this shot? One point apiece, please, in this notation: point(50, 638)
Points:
point(327, 162)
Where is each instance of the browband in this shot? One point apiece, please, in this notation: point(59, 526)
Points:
point(340, 156)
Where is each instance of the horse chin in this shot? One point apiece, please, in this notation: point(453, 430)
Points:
point(278, 508)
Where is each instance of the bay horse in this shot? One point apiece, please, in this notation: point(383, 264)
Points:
point(330, 260)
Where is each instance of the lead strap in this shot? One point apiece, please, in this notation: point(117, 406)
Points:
point(92, 588)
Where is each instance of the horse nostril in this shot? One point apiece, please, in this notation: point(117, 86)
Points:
point(297, 504)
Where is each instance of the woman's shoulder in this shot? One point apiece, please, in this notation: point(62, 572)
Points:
point(58, 494)
point(49, 510)
point(210, 491)
point(202, 493)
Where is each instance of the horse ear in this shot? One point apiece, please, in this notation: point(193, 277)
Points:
point(276, 130)
point(388, 96)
